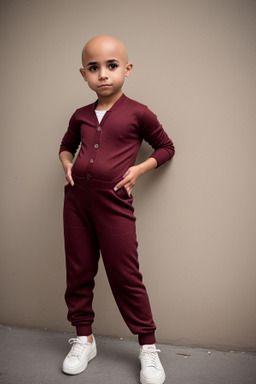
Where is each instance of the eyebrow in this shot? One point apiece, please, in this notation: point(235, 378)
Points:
point(108, 61)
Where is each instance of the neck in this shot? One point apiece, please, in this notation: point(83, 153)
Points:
point(105, 103)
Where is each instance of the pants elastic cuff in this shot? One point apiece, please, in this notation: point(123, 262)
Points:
point(83, 330)
point(147, 338)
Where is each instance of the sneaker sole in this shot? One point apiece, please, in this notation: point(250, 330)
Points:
point(82, 367)
point(161, 380)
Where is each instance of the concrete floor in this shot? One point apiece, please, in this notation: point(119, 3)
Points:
point(35, 357)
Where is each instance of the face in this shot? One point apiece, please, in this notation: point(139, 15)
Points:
point(105, 66)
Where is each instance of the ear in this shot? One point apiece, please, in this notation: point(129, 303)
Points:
point(82, 71)
point(128, 69)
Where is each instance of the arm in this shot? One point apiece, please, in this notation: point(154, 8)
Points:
point(68, 147)
point(133, 173)
point(66, 160)
point(152, 132)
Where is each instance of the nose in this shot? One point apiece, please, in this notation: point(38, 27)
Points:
point(102, 74)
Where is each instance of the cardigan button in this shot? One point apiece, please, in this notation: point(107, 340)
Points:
point(99, 129)
point(91, 161)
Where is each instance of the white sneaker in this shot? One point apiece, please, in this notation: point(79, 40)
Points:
point(152, 371)
point(79, 356)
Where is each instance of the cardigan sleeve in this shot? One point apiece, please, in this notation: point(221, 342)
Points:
point(72, 138)
point(153, 133)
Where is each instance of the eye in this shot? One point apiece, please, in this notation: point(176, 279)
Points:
point(113, 66)
point(93, 68)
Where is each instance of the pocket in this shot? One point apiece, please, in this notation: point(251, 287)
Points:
point(67, 187)
point(123, 194)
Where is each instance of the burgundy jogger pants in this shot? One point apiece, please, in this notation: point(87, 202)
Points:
point(96, 218)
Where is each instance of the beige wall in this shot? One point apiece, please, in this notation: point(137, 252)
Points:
point(194, 66)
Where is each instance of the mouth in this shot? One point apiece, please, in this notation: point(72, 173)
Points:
point(104, 85)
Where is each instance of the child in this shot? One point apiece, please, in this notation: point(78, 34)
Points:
point(98, 211)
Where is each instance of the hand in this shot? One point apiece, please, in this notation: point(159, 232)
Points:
point(69, 179)
point(129, 179)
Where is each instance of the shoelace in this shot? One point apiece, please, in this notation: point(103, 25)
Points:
point(150, 357)
point(77, 348)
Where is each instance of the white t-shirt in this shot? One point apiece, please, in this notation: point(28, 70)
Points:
point(100, 115)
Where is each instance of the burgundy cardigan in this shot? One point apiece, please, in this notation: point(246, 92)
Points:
point(108, 149)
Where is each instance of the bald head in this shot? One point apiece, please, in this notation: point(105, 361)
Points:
point(101, 46)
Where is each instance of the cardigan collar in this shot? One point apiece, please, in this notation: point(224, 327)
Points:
point(116, 105)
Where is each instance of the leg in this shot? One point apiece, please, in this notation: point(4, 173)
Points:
point(125, 279)
point(82, 255)
point(117, 238)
